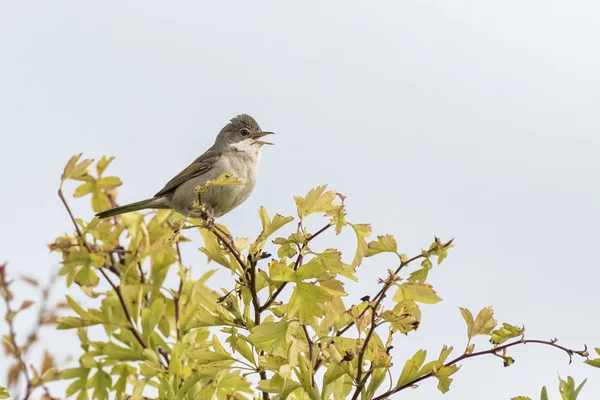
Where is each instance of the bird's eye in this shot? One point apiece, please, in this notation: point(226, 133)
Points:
point(244, 132)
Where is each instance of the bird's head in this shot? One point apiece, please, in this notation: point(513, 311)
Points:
point(242, 133)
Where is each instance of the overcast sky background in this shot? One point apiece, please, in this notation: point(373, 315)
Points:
point(473, 120)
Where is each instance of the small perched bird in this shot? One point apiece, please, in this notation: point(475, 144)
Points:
point(236, 150)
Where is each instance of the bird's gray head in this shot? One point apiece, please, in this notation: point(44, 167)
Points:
point(242, 133)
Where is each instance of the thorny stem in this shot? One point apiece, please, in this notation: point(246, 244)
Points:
point(298, 262)
point(493, 351)
point(115, 287)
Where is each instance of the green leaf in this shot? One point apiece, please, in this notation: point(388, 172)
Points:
point(74, 322)
point(338, 217)
point(124, 371)
point(166, 389)
point(213, 250)
point(75, 170)
point(419, 275)
point(567, 388)
point(3, 393)
point(269, 335)
point(305, 300)
point(225, 179)
point(443, 375)
point(362, 231)
point(594, 362)
point(110, 182)
point(483, 324)
point(506, 332)
point(421, 292)
point(188, 385)
point(87, 277)
point(269, 227)
point(152, 316)
point(410, 372)
point(521, 398)
point(468, 317)
point(317, 200)
point(207, 356)
point(83, 189)
point(544, 394)
point(405, 316)
point(310, 271)
point(101, 382)
point(115, 352)
point(383, 244)
point(102, 164)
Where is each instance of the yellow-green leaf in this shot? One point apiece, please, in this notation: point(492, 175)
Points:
point(109, 182)
point(269, 334)
point(383, 244)
point(213, 250)
point(102, 164)
point(417, 291)
point(305, 300)
point(506, 332)
point(410, 372)
point(362, 231)
point(317, 200)
point(484, 323)
point(443, 375)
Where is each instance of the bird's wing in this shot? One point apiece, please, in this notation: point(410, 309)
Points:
point(200, 166)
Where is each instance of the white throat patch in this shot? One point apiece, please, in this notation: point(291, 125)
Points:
point(248, 147)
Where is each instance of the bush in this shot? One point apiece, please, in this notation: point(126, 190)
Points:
point(282, 330)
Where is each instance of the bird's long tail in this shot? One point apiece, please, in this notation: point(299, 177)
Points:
point(155, 202)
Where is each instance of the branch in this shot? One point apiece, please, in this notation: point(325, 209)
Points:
point(361, 354)
point(493, 351)
point(310, 354)
point(257, 310)
point(116, 288)
point(12, 334)
point(273, 297)
point(178, 296)
point(377, 299)
point(229, 246)
point(384, 289)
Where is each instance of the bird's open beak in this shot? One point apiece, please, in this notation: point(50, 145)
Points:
point(258, 135)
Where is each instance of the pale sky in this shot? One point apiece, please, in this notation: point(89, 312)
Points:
point(473, 120)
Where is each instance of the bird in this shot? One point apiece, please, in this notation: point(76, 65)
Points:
point(236, 150)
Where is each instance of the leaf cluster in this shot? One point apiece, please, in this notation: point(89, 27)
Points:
point(285, 328)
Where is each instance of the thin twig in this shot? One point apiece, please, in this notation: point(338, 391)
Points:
point(13, 336)
point(381, 294)
point(257, 311)
point(116, 288)
point(494, 351)
point(384, 289)
point(229, 246)
point(310, 354)
point(178, 296)
point(297, 264)
point(361, 354)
